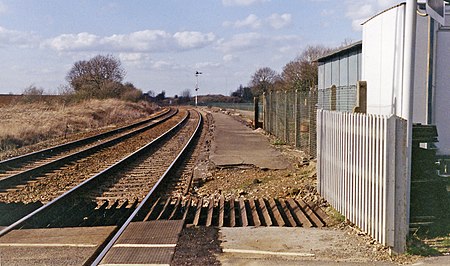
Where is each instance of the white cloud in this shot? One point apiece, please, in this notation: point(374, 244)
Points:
point(251, 21)
point(17, 38)
point(243, 41)
point(255, 41)
point(241, 2)
point(278, 21)
point(193, 39)
point(207, 65)
point(141, 41)
point(359, 11)
point(133, 58)
point(73, 42)
point(230, 58)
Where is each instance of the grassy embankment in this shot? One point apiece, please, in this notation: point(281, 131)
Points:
point(24, 124)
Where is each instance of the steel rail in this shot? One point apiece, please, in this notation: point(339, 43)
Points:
point(85, 184)
point(76, 143)
point(13, 179)
point(133, 215)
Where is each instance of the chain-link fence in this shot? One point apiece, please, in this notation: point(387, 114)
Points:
point(341, 99)
point(291, 117)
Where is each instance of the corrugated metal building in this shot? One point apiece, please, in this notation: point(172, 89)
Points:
point(341, 68)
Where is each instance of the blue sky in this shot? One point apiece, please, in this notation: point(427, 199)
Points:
point(161, 44)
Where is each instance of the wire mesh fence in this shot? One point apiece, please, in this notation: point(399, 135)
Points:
point(291, 115)
point(341, 98)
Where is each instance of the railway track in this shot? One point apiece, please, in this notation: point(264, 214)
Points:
point(100, 200)
point(15, 170)
point(140, 204)
point(20, 164)
point(29, 193)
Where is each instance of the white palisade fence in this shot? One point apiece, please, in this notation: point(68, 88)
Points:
point(361, 171)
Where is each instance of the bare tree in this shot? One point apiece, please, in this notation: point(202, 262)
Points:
point(98, 77)
point(186, 93)
point(32, 90)
point(301, 73)
point(262, 80)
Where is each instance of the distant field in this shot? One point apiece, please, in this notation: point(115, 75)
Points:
point(6, 99)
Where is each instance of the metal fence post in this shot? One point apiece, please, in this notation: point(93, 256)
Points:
point(286, 121)
point(256, 111)
point(297, 119)
point(264, 103)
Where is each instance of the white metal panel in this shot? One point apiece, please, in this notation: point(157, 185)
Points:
point(442, 91)
point(383, 61)
point(421, 72)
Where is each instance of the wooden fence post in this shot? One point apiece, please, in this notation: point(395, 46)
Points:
point(361, 98)
point(333, 98)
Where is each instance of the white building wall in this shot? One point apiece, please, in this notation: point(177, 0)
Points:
point(382, 62)
point(382, 68)
point(383, 51)
point(421, 71)
point(441, 107)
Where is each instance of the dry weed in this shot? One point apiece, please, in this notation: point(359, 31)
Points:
point(25, 124)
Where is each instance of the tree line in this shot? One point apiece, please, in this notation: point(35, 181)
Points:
point(298, 74)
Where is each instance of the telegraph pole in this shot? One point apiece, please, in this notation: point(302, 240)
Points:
point(196, 87)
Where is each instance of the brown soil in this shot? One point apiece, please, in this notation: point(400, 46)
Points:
point(197, 246)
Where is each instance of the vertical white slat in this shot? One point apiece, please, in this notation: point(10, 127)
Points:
point(348, 168)
point(377, 177)
point(369, 174)
point(329, 158)
point(373, 183)
point(339, 184)
point(355, 166)
point(343, 172)
point(384, 182)
point(357, 189)
point(364, 175)
point(351, 180)
point(372, 174)
point(324, 142)
point(318, 150)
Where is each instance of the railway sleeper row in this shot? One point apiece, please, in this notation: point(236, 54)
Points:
point(217, 211)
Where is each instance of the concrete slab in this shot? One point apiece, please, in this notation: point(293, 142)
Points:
point(290, 246)
point(235, 144)
point(146, 243)
point(53, 246)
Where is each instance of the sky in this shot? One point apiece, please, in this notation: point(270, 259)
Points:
point(161, 44)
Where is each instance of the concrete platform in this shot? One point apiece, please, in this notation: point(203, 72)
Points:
point(53, 246)
point(289, 246)
point(298, 246)
point(235, 144)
